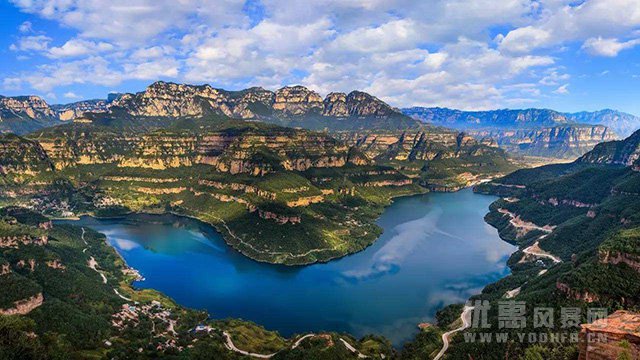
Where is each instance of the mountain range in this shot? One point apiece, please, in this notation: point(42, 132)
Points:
point(621, 123)
point(532, 132)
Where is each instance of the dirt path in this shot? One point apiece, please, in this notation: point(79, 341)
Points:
point(297, 343)
point(535, 250)
point(352, 349)
point(229, 345)
point(93, 264)
point(518, 223)
point(466, 323)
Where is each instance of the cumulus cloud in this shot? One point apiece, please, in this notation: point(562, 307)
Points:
point(71, 95)
point(408, 52)
point(79, 47)
point(32, 43)
point(607, 46)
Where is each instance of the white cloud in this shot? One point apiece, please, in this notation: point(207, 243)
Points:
point(561, 21)
point(25, 27)
point(562, 90)
point(437, 52)
point(79, 47)
point(71, 95)
point(32, 43)
point(12, 83)
point(524, 39)
point(607, 47)
point(554, 77)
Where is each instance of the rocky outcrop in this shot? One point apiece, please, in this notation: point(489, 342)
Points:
point(381, 183)
point(418, 145)
point(239, 187)
point(22, 114)
point(159, 190)
point(255, 152)
point(624, 152)
point(14, 241)
point(56, 264)
point(297, 101)
point(32, 107)
point(280, 219)
point(23, 307)
point(305, 201)
point(335, 104)
point(20, 157)
point(573, 203)
point(180, 100)
point(362, 104)
point(583, 295)
point(619, 122)
point(536, 132)
point(76, 110)
point(21, 264)
point(617, 257)
point(614, 337)
point(559, 142)
point(5, 269)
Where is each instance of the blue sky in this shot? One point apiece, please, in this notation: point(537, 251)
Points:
point(470, 54)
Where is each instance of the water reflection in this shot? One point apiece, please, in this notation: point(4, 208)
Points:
point(436, 250)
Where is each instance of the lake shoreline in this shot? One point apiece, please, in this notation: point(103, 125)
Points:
point(216, 314)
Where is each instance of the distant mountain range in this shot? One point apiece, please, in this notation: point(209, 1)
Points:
point(621, 123)
point(536, 132)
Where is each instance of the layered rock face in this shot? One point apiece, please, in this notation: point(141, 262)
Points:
point(625, 152)
point(22, 114)
point(178, 100)
point(488, 119)
point(297, 101)
point(75, 110)
point(19, 157)
point(25, 306)
point(563, 142)
point(418, 145)
point(619, 122)
point(615, 337)
point(535, 132)
point(32, 107)
point(252, 152)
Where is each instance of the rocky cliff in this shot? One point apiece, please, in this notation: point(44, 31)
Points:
point(619, 122)
point(614, 337)
point(20, 158)
point(66, 112)
point(559, 141)
point(254, 150)
point(535, 132)
point(488, 119)
point(21, 114)
point(295, 106)
point(624, 152)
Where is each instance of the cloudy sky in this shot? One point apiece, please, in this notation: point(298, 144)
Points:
point(469, 54)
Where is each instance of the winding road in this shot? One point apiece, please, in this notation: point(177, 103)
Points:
point(535, 250)
point(466, 323)
point(231, 346)
point(93, 264)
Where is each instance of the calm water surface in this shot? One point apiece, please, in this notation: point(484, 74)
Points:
point(436, 250)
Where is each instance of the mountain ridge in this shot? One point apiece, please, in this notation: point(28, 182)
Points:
point(621, 123)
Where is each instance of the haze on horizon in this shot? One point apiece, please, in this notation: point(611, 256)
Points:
point(473, 54)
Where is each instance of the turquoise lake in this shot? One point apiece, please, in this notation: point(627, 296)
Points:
point(436, 249)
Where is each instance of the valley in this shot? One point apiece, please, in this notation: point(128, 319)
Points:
point(289, 178)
